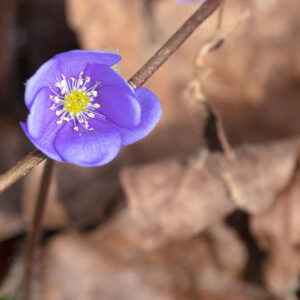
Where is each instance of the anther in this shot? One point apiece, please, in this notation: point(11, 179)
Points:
point(74, 101)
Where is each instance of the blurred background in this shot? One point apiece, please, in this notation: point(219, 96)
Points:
point(172, 217)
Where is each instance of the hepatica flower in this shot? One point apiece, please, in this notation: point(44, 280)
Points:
point(83, 112)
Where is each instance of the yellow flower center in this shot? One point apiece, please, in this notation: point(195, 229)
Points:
point(76, 102)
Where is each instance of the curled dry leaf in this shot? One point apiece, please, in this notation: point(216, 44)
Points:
point(277, 231)
point(254, 73)
point(182, 271)
point(103, 276)
point(169, 201)
point(229, 251)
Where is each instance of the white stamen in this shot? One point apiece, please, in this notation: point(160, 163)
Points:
point(66, 87)
point(59, 112)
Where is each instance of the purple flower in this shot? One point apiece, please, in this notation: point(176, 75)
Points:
point(83, 112)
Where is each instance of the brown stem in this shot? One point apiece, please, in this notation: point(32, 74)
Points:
point(20, 169)
point(177, 39)
point(32, 159)
point(36, 229)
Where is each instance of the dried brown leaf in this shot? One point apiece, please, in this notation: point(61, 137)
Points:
point(183, 271)
point(168, 201)
point(277, 231)
point(229, 251)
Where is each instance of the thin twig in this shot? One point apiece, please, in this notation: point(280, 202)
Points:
point(32, 159)
point(20, 169)
point(177, 39)
point(36, 229)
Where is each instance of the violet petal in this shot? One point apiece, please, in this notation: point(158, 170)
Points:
point(119, 106)
point(88, 148)
point(106, 76)
point(40, 113)
point(75, 61)
point(45, 143)
point(45, 76)
point(150, 115)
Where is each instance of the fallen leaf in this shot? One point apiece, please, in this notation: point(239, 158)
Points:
point(277, 231)
point(169, 201)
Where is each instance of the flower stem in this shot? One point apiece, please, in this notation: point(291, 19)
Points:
point(174, 42)
point(20, 169)
point(35, 230)
point(32, 159)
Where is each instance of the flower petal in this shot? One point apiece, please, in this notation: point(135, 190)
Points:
point(119, 106)
point(70, 64)
point(45, 76)
point(106, 76)
point(150, 115)
point(40, 114)
point(88, 148)
point(41, 125)
point(45, 144)
point(73, 62)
